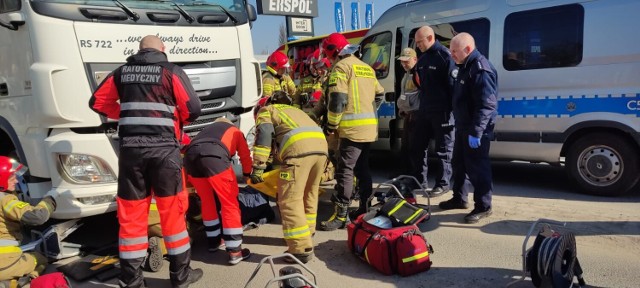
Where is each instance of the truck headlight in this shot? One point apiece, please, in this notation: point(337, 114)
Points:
point(85, 169)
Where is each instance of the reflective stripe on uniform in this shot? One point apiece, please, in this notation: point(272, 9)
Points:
point(126, 252)
point(147, 106)
point(298, 134)
point(211, 222)
point(132, 241)
point(232, 231)
point(172, 242)
point(356, 96)
point(146, 121)
point(10, 249)
point(7, 242)
point(298, 232)
point(311, 218)
point(261, 151)
point(363, 119)
point(7, 208)
point(285, 118)
point(415, 257)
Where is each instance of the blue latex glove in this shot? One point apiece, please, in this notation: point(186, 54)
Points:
point(474, 142)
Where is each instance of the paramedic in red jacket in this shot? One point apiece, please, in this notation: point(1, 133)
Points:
point(207, 161)
point(153, 99)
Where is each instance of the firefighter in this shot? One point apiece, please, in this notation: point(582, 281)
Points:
point(320, 66)
point(352, 91)
point(275, 78)
point(153, 99)
point(208, 165)
point(310, 89)
point(301, 147)
point(16, 263)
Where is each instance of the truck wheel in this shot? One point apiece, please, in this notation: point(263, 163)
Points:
point(603, 164)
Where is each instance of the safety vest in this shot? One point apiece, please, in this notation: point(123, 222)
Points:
point(296, 135)
point(354, 82)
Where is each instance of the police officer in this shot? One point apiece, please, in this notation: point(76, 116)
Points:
point(474, 107)
point(153, 99)
point(208, 164)
point(15, 263)
point(352, 90)
point(433, 119)
point(276, 78)
point(301, 147)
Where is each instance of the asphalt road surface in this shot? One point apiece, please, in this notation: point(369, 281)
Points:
point(487, 254)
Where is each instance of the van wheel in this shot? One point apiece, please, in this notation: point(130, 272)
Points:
point(603, 164)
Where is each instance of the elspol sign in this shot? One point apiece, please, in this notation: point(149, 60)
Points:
point(306, 8)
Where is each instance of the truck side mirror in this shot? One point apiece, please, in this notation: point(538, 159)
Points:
point(251, 13)
point(16, 19)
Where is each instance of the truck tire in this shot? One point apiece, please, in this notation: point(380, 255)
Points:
point(603, 164)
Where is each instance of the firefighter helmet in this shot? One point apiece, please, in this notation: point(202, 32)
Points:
point(9, 167)
point(333, 44)
point(278, 60)
point(317, 61)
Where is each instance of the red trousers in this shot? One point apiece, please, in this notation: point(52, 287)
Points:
point(224, 187)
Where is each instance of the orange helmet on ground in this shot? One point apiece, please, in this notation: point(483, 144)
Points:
point(278, 60)
point(9, 167)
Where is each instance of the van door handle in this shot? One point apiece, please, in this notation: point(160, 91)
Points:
point(4, 89)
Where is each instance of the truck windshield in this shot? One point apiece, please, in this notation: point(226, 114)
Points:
point(224, 6)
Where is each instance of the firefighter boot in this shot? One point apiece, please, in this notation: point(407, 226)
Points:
point(338, 220)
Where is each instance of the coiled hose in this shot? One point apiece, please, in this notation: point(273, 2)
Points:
point(553, 261)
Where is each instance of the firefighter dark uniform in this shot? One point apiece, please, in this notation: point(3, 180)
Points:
point(433, 120)
point(209, 167)
point(16, 263)
point(352, 89)
point(153, 99)
point(475, 109)
point(301, 147)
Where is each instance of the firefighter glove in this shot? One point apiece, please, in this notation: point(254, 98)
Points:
point(50, 202)
point(256, 176)
point(328, 130)
point(474, 142)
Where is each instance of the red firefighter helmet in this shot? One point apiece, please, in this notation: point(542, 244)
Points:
point(278, 60)
point(333, 44)
point(317, 61)
point(9, 167)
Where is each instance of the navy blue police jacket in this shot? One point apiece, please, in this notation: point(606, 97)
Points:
point(475, 92)
point(435, 71)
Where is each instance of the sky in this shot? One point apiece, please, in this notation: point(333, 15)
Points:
point(265, 29)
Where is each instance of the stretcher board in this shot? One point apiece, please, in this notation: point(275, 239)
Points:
point(270, 185)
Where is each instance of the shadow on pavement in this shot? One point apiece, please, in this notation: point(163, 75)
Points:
point(580, 228)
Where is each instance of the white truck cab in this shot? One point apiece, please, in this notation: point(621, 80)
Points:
point(56, 52)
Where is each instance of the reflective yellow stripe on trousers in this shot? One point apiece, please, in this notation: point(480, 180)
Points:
point(298, 232)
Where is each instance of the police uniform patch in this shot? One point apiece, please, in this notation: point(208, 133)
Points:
point(454, 73)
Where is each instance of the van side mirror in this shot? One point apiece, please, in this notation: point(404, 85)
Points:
point(251, 13)
point(16, 19)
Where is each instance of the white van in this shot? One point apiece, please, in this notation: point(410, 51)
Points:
point(568, 75)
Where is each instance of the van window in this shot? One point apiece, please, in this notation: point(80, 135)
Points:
point(9, 5)
point(376, 51)
point(544, 38)
point(478, 28)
